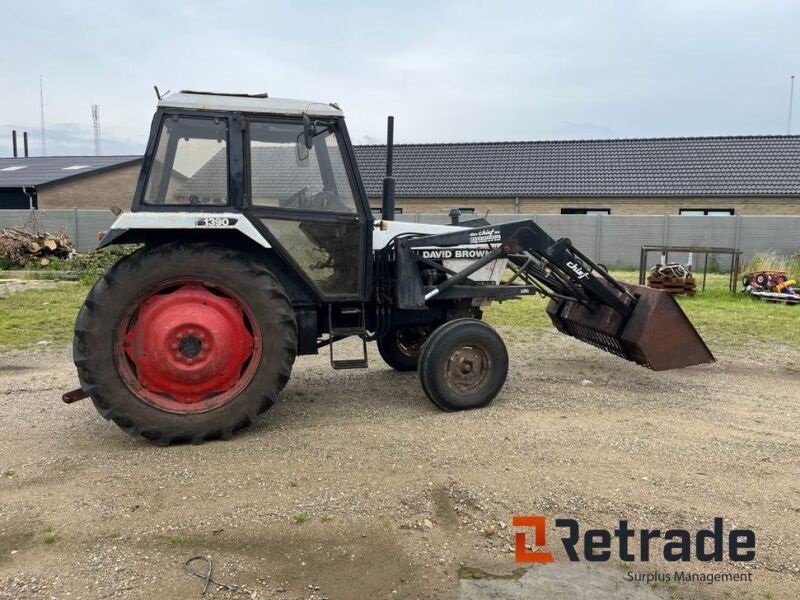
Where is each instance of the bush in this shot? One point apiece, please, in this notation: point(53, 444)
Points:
point(772, 261)
point(96, 262)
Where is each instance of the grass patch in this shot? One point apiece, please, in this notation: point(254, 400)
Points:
point(48, 314)
point(175, 540)
point(9, 473)
point(300, 518)
point(717, 315)
point(49, 535)
point(40, 314)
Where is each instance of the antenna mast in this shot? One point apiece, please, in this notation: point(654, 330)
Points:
point(41, 108)
point(96, 127)
point(791, 98)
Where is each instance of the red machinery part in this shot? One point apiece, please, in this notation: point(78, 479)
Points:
point(188, 347)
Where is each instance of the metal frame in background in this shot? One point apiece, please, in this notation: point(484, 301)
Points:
point(734, 253)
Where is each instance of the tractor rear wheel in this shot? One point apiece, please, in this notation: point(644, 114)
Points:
point(463, 365)
point(185, 342)
point(400, 347)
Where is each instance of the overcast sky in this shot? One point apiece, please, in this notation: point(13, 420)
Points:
point(448, 71)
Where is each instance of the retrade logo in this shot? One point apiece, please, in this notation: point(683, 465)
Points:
point(630, 545)
point(521, 553)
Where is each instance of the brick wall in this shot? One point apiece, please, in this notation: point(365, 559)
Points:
point(101, 190)
point(618, 206)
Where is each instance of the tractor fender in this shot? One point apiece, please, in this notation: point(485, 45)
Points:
point(140, 226)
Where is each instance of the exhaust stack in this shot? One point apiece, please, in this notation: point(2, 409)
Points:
point(387, 208)
point(14, 142)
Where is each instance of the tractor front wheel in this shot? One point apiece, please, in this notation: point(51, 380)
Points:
point(463, 365)
point(400, 347)
point(185, 342)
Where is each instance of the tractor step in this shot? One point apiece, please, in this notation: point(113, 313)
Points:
point(343, 332)
point(350, 363)
point(356, 324)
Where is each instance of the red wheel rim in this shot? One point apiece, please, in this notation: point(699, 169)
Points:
point(188, 346)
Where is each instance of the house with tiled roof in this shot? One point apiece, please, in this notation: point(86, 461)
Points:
point(699, 175)
point(742, 175)
point(68, 181)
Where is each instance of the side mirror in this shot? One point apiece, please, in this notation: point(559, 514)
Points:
point(309, 131)
point(303, 148)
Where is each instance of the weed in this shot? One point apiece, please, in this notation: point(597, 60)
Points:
point(300, 518)
point(326, 518)
point(9, 473)
point(49, 535)
point(172, 539)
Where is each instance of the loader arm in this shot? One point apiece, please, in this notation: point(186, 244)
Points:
point(634, 322)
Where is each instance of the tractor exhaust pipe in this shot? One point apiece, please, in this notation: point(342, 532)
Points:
point(387, 208)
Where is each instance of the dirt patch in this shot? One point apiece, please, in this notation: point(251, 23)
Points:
point(355, 486)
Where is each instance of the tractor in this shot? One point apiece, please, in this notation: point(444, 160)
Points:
point(255, 243)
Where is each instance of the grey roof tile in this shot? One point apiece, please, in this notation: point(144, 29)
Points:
point(41, 170)
point(700, 166)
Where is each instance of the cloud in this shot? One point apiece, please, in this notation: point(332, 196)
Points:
point(67, 139)
point(449, 71)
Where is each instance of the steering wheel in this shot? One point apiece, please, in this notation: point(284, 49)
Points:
point(299, 199)
point(327, 200)
point(323, 200)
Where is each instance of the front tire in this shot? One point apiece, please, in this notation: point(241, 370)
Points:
point(185, 342)
point(463, 365)
point(400, 347)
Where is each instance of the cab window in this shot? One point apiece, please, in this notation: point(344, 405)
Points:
point(286, 174)
point(190, 164)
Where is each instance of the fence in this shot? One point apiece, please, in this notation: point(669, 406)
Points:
point(616, 241)
point(612, 240)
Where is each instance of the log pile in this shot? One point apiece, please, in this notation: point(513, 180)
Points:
point(23, 247)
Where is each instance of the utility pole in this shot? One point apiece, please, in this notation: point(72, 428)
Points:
point(96, 127)
point(41, 109)
point(791, 98)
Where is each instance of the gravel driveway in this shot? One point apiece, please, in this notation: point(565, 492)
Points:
point(355, 486)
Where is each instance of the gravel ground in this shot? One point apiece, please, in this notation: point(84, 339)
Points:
point(355, 486)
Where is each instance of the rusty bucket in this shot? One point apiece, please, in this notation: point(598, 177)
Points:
point(657, 335)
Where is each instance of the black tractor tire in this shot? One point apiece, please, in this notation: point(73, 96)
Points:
point(463, 365)
point(400, 348)
point(127, 283)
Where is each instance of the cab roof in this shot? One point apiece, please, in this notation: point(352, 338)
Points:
point(250, 103)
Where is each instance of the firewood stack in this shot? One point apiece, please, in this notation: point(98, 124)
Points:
point(23, 247)
point(673, 278)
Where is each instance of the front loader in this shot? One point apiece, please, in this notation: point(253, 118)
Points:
point(256, 244)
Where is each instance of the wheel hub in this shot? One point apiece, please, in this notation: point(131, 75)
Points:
point(190, 344)
point(467, 368)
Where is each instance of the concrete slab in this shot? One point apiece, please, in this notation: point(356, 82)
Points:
point(558, 581)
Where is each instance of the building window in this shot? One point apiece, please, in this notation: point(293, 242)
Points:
point(706, 212)
point(377, 211)
point(585, 211)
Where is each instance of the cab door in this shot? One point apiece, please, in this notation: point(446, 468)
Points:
point(309, 204)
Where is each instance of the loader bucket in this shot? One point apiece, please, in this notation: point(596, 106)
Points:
point(658, 335)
